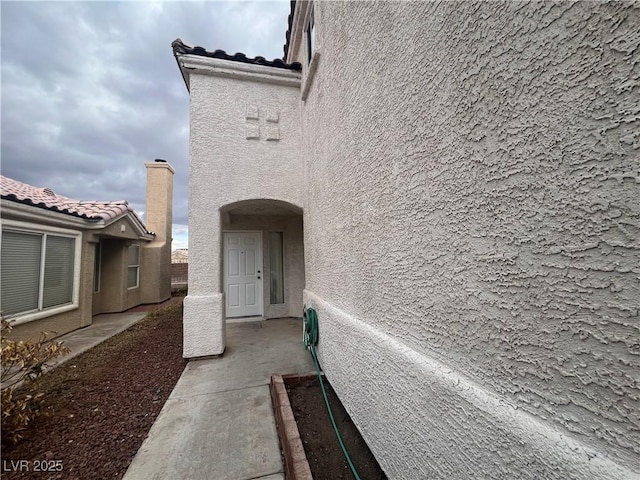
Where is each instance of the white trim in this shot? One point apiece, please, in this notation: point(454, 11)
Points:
point(239, 71)
point(43, 262)
point(224, 279)
point(49, 312)
point(24, 227)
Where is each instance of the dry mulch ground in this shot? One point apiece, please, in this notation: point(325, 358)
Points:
point(326, 460)
point(104, 402)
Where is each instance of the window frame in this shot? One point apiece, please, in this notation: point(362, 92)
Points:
point(310, 35)
point(311, 50)
point(35, 229)
point(283, 265)
point(136, 266)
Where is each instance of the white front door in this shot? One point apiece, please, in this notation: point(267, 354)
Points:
point(243, 273)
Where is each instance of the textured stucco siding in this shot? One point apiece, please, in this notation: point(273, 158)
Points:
point(227, 167)
point(473, 192)
point(425, 420)
point(155, 267)
point(112, 296)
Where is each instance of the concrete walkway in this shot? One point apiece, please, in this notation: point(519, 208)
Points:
point(102, 327)
point(105, 326)
point(218, 423)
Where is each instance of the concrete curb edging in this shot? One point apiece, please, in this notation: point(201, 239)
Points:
point(295, 460)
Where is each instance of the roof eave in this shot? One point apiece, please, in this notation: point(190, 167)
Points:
point(185, 77)
point(141, 228)
point(243, 63)
point(237, 70)
point(138, 225)
point(35, 213)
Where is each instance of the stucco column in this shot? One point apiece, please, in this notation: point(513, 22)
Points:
point(203, 321)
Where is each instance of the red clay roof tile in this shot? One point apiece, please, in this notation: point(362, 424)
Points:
point(46, 198)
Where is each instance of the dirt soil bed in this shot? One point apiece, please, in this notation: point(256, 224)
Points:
point(326, 460)
point(104, 402)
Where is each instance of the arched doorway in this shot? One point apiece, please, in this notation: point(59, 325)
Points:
point(273, 232)
point(262, 259)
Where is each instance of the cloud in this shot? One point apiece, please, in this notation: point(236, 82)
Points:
point(91, 91)
point(180, 237)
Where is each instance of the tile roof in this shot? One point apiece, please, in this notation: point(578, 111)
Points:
point(180, 254)
point(179, 48)
point(45, 198)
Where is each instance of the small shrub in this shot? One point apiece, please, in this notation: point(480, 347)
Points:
point(22, 363)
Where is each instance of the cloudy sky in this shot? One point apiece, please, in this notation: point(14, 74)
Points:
point(91, 90)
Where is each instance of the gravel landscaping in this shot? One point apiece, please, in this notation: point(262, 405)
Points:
point(103, 403)
point(325, 457)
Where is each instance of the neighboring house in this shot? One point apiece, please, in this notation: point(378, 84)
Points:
point(65, 260)
point(181, 255)
point(179, 268)
point(468, 176)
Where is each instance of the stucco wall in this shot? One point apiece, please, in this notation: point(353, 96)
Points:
point(122, 229)
point(473, 204)
point(133, 296)
point(114, 296)
point(226, 167)
point(113, 277)
point(234, 156)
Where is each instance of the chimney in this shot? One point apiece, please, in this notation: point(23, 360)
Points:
point(159, 212)
point(156, 256)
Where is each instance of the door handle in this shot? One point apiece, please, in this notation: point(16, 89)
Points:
point(258, 277)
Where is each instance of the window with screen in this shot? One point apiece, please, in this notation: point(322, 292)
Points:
point(37, 271)
point(133, 269)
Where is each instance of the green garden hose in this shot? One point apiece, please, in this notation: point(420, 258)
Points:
point(310, 339)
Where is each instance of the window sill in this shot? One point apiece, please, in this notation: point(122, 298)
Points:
point(311, 73)
point(20, 319)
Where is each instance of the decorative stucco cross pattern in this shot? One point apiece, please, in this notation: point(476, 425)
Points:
point(262, 123)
